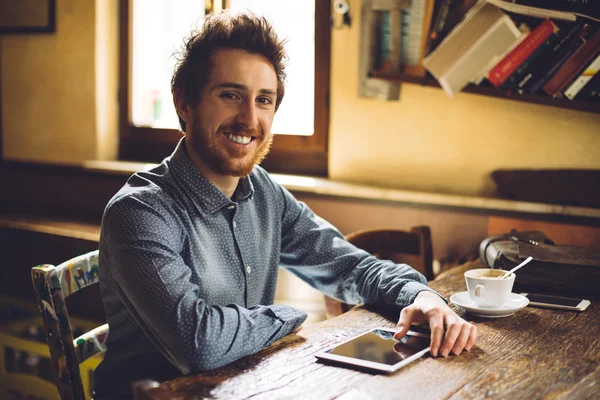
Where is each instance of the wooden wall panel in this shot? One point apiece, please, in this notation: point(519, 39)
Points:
point(455, 234)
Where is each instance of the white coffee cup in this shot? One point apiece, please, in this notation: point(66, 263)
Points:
point(487, 288)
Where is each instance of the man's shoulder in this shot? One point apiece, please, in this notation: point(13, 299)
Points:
point(150, 187)
point(269, 188)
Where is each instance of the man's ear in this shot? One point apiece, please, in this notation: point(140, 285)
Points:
point(181, 107)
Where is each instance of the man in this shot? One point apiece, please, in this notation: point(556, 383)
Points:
point(189, 251)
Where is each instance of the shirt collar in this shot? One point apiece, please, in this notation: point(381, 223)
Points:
point(202, 192)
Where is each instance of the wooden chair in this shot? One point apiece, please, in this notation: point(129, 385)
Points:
point(52, 284)
point(386, 244)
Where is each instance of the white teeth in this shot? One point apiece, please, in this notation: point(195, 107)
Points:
point(239, 139)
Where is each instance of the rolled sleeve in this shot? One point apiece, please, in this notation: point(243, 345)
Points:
point(410, 292)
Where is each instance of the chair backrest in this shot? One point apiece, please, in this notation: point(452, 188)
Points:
point(52, 285)
point(385, 244)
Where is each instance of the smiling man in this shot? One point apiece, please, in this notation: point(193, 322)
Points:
point(189, 251)
point(228, 131)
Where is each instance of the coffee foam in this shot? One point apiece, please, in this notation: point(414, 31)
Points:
point(491, 273)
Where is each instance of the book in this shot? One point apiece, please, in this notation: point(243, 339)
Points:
point(438, 23)
point(590, 90)
point(482, 74)
point(594, 95)
point(533, 11)
point(586, 76)
point(573, 66)
point(415, 22)
point(542, 63)
point(388, 60)
point(524, 68)
point(446, 15)
point(545, 68)
point(509, 64)
point(484, 32)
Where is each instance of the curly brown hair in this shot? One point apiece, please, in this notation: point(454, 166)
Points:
point(242, 31)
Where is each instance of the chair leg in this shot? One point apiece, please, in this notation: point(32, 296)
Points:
point(426, 248)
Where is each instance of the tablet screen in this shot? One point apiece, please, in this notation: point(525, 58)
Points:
point(381, 347)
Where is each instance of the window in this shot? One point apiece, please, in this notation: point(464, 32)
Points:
point(152, 30)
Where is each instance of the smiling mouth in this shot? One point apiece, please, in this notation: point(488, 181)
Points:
point(239, 139)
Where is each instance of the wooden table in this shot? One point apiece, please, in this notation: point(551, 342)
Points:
point(536, 353)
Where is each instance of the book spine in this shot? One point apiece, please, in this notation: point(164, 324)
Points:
point(385, 47)
point(573, 66)
point(533, 81)
point(500, 73)
point(583, 79)
point(595, 95)
point(516, 76)
point(437, 27)
point(535, 71)
point(587, 93)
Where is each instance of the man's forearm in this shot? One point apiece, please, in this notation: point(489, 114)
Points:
point(197, 337)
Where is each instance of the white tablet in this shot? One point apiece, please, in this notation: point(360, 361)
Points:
point(378, 350)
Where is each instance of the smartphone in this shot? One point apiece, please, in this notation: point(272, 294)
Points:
point(378, 350)
point(563, 303)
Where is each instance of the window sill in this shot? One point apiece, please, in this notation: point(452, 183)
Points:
point(327, 187)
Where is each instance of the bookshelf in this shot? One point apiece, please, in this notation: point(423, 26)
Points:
point(407, 74)
point(488, 90)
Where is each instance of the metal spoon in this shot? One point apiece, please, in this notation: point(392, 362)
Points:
point(525, 262)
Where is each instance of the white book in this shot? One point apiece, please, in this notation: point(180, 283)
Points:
point(482, 74)
point(583, 79)
point(484, 33)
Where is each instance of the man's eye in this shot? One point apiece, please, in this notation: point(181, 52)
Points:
point(228, 95)
point(264, 100)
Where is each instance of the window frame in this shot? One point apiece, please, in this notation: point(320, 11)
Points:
point(308, 154)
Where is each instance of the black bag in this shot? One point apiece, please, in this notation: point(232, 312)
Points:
point(567, 270)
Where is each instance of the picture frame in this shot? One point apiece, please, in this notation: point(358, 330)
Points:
point(27, 16)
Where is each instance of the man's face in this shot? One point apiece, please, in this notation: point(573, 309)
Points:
point(230, 129)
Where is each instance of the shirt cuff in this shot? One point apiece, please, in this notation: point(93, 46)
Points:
point(410, 292)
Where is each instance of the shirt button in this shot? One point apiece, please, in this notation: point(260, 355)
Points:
point(248, 269)
point(234, 224)
point(231, 207)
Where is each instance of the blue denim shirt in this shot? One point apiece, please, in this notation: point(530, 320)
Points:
point(188, 275)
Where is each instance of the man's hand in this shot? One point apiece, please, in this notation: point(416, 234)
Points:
point(449, 332)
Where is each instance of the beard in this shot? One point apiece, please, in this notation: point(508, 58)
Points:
point(219, 161)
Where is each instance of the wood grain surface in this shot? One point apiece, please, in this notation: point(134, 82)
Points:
point(534, 354)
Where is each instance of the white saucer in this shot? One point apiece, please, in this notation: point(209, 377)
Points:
point(515, 303)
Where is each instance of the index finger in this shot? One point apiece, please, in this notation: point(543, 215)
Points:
point(406, 317)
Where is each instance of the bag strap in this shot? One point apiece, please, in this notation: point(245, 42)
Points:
point(486, 243)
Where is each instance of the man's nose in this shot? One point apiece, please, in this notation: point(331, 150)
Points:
point(247, 115)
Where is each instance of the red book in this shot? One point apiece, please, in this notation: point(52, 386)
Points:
point(573, 66)
point(509, 64)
